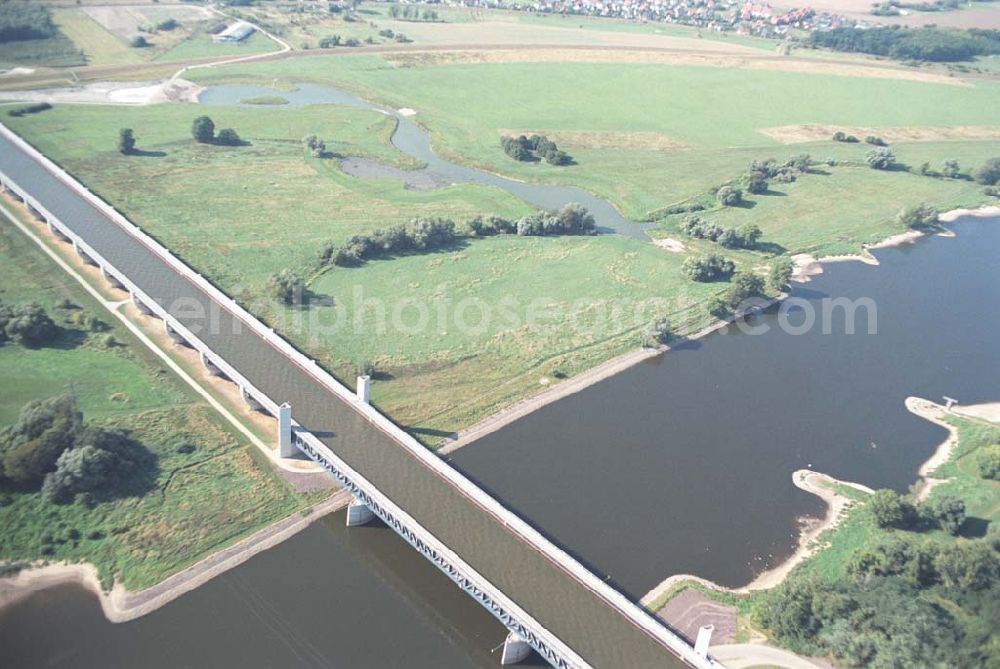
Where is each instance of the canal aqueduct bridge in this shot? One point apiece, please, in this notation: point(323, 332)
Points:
point(547, 600)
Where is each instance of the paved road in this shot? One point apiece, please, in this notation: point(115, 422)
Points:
point(587, 623)
point(745, 655)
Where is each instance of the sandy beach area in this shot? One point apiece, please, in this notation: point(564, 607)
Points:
point(821, 485)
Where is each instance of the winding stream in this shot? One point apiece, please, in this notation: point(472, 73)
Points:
point(413, 140)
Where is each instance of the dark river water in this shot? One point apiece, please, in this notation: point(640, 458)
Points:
point(682, 464)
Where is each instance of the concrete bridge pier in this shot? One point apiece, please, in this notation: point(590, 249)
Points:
point(83, 254)
point(57, 233)
point(111, 279)
point(286, 447)
point(174, 335)
point(250, 400)
point(209, 365)
point(365, 389)
point(704, 638)
point(141, 306)
point(515, 649)
point(358, 513)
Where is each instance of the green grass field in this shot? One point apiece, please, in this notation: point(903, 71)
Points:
point(715, 114)
point(242, 214)
point(662, 135)
point(198, 501)
point(465, 332)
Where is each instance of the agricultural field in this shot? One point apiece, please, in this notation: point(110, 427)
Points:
point(103, 35)
point(203, 488)
point(242, 214)
point(305, 26)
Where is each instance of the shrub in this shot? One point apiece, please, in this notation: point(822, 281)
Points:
point(988, 462)
point(28, 325)
point(99, 460)
point(329, 42)
point(203, 130)
point(126, 141)
point(744, 237)
point(950, 169)
point(287, 287)
point(138, 42)
point(228, 137)
point(989, 173)
point(487, 226)
point(875, 141)
point(31, 446)
point(756, 183)
point(712, 267)
point(169, 24)
point(572, 219)
point(780, 274)
point(881, 159)
point(919, 216)
point(945, 511)
point(729, 196)
point(656, 334)
point(889, 509)
point(30, 109)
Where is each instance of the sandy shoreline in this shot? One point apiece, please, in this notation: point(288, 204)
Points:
point(816, 483)
point(120, 605)
point(821, 485)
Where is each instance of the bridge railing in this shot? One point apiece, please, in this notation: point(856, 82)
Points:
point(512, 522)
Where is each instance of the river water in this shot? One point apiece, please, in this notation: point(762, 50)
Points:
point(681, 464)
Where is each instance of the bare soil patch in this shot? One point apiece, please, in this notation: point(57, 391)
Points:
point(815, 132)
point(672, 245)
point(691, 609)
point(708, 56)
point(583, 139)
point(124, 22)
point(564, 32)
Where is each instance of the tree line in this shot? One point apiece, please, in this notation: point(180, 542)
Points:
point(422, 235)
point(744, 237)
point(928, 43)
point(25, 21)
point(428, 234)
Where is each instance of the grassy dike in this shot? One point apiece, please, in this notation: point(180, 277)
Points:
point(198, 501)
